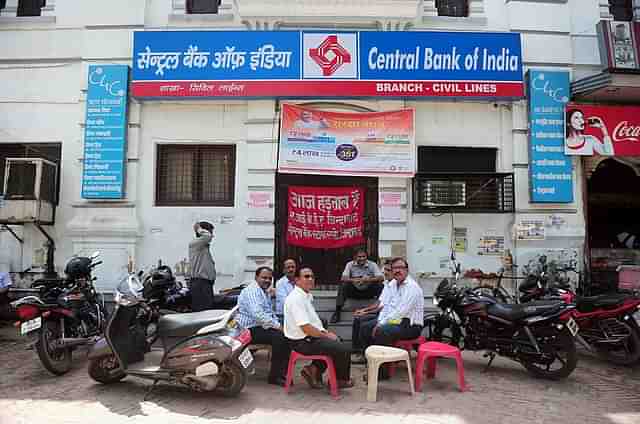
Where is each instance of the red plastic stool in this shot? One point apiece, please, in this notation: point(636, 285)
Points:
point(331, 370)
point(408, 346)
point(430, 352)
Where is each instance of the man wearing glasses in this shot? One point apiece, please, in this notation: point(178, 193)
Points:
point(307, 335)
point(404, 317)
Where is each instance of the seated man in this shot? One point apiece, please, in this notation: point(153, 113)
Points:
point(284, 286)
point(361, 279)
point(366, 318)
point(255, 312)
point(307, 335)
point(404, 317)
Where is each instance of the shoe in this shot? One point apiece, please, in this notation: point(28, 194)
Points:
point(277, 381)
point(345, 384)
point(309, 377)
point(335, 318)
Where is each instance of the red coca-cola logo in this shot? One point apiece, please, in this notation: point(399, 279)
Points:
point(625, 132)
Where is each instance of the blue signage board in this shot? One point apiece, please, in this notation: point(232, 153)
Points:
point(550, 170)
point(326, 64)
point(105, 136)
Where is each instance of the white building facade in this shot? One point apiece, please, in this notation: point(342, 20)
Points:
point(44, 62)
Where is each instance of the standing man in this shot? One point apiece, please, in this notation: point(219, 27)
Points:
point(361, 279)
point(366, 318)
point(255, 312)
point(307, 335)
point(404, 317)
point(203, 268)
point(284, 286)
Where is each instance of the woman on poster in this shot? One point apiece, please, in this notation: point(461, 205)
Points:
point(578, 143)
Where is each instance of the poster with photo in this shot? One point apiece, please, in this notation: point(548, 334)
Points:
point(531, 229)
point(491, 245)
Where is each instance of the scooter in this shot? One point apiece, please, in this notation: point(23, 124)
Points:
point(206, 351)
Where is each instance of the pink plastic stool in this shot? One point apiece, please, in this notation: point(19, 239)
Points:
point(406, 345)
point(430, 352)
point(331, 370)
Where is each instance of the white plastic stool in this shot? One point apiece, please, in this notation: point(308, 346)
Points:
point(378, 355)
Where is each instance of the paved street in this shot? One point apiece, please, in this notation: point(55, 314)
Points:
point(595, 393)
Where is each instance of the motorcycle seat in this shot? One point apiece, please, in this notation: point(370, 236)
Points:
point(185, 325)
point(605, 301)
point(517, 312)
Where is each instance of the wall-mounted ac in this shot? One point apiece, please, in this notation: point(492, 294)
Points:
point(443, 194)
point(30, 191)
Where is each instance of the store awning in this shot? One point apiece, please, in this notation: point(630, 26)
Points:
point(608, 87)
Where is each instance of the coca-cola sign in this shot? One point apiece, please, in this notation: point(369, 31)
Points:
point(602, 130)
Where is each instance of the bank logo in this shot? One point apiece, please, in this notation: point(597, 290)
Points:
point(330, 55)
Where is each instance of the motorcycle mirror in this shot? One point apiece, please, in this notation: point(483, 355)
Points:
point(94, 255)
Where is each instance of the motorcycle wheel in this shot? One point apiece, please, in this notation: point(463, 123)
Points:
point(100, 370)
point(624, 353)
point(561, 351)
point(232, 380)
point(56, 361)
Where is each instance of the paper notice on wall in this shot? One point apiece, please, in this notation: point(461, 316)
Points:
point(460, 239)
point(530, 229)
point(491, 245)
point(260, 199)
point(390, 207)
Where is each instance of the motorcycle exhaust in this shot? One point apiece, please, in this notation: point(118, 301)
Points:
point(205, 384)
point(71, 342)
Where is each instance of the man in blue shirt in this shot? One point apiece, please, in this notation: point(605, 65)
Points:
point(255, 312)
point(284, 286)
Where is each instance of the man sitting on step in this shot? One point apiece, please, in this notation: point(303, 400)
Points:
point(361, 279)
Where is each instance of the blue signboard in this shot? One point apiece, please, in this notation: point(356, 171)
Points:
point(106, 132)
point(326, 64)
point(550, 170)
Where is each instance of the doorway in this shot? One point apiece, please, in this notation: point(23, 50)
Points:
point(327, 264)
point(613, 207)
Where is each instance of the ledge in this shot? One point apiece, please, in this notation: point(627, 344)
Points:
point(453, 23)
point(200, 19)
point(22, 21)
point(90, 204)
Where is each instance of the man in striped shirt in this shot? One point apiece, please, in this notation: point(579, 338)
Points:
point(255, 312)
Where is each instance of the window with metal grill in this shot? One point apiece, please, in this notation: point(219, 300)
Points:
point(195, 175)
point(30, 7)
point(456, 8)
point(622, 10)
point(195, 7)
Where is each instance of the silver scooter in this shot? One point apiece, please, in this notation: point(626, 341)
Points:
point(206, 351)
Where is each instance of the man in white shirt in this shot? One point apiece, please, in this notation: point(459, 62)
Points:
point(404, 318)
point(307, 335)
point(285, 285)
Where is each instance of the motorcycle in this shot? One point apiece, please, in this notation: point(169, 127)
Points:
point(163, 291)
point(607, 325)
point(206, 351)
point(539, 335)
point(66, 314)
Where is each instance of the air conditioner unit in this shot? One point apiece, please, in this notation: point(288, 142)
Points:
point(30, 191)
point(443, 193)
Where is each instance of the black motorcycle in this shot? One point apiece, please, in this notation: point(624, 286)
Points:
point(65, 314)
point(538, 335)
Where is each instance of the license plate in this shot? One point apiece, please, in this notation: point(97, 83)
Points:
point(246, 358)
point(572, 326)
point(32, 324)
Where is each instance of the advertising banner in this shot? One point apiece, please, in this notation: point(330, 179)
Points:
point(619, 45)
point(326, 64)
point(325, 217)
point(550, 170)
point(333, 143)
point(105, 136)
point(602, 130)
